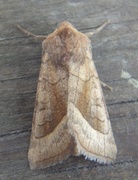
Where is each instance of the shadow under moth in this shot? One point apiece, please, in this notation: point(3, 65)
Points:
point(70, 115)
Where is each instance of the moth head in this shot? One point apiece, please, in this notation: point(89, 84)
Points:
point(66, 44)
point(65, 30)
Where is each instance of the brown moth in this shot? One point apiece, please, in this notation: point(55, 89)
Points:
point(70, 115)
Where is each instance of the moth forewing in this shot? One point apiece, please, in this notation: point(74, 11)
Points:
point(70, 116)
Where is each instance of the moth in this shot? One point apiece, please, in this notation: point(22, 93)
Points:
point(70, 115)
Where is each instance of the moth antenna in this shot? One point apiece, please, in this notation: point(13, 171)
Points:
point(31, 34)
point(97, 30)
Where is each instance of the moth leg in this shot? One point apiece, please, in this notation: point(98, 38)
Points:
point(31, 34)
point(106, 86)
point(97, 30)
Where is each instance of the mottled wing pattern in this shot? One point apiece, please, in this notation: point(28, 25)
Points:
point(50, 142)
point(70, 116)
point(88, 118)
